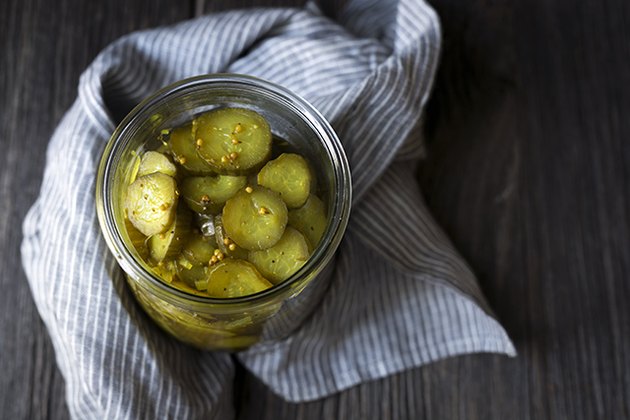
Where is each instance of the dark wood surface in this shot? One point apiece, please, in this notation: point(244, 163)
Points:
point(528, 135)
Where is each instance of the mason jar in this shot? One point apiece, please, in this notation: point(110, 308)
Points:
point(225, 323)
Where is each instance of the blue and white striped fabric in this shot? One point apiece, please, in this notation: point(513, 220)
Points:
point(400, 295)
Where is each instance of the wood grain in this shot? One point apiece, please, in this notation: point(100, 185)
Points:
point(527, 170)
point(45, 47)
point(528, 173)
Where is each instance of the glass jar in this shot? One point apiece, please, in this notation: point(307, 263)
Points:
point(232, 323)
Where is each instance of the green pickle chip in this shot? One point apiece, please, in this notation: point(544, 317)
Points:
point(151, 202)
point(192, 276)
point(167, 245)
point(208, 194)
point(282, 260)
point(310, 219)
point(184, 150)
point(152, 162)
point(234, 278)
point(243, 223)
point(232, 140)
point(290, 176)
point(199, 249)
point(225, 243)
point(255, 218)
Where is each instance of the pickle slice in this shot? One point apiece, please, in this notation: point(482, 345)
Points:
point(255, 218)
point(208, 194)
point(290, 176)
point(199, 249)
point(234, 278)
point(193, 275)
point(310, 219)
point(151, 202)
point(232, 140)
point(282, 260)
point(225, 243)
point(152, 162)
point(184, 150)
point(167, 245)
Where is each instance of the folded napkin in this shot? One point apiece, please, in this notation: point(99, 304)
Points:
point(400, 295)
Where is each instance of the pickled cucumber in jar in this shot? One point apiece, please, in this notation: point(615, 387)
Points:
point(225, 243)
point(166, 245)
point(208, 194)
point(290, 176)
point(232, 140)
point(184, 149)
point(212, 215)
point(310, 219)
point(199, 250)
point(284, 259)
point(152, 162)
point(234, 278)
point(255, 218)
point(195, 276)
point(151, 202)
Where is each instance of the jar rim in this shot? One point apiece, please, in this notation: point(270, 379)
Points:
point(342, 185)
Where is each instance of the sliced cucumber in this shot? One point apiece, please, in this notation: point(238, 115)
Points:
point(208, 194)
point(151, 202)
point(225, 243)
point(290, 176)
point(233, 278)
point(166, 245)
point(184, 150)
point(310, 219)
point(255, 218)
point(199, 249)
point(192, 275)
point(282, 260)
point(152, 162)
point(232, 140)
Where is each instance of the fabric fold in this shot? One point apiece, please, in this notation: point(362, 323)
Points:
point(400, 295)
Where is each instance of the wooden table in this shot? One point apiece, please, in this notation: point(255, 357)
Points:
point(528, 171)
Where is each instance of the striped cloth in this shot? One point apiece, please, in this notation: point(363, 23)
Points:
point(400, 295)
